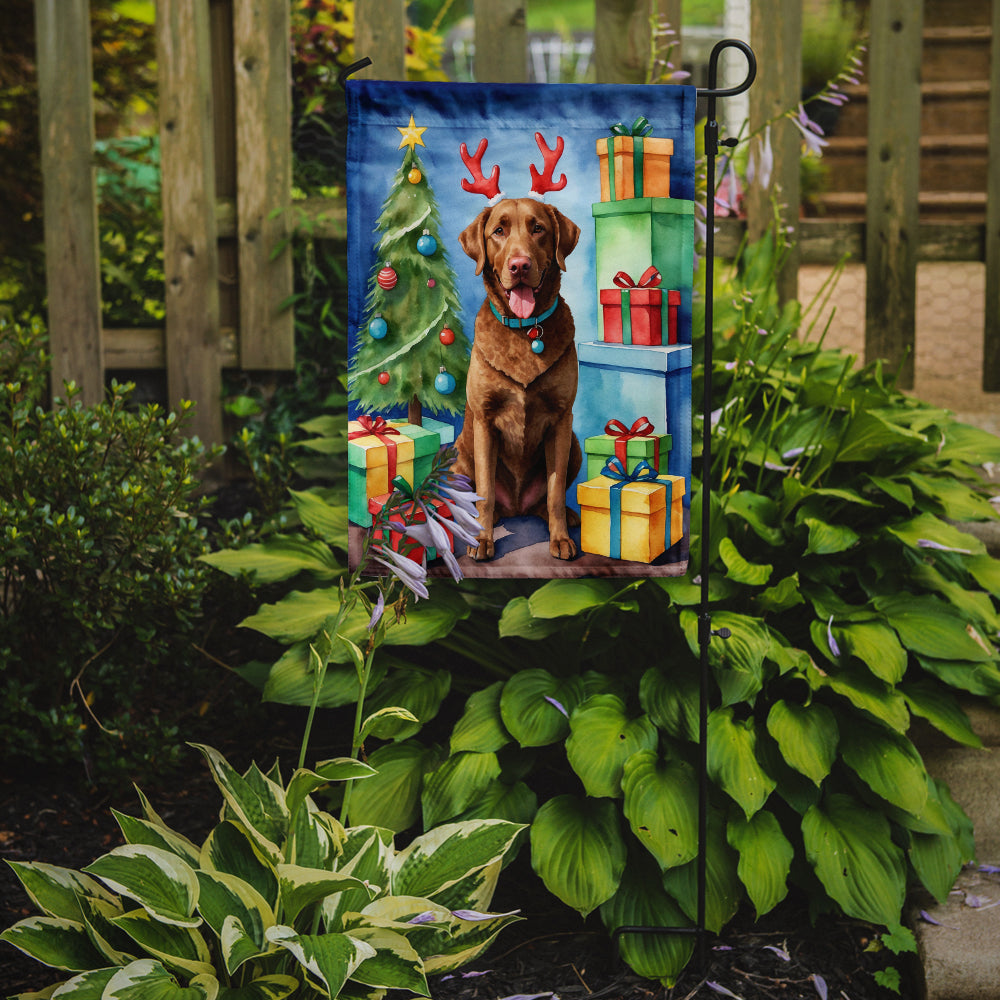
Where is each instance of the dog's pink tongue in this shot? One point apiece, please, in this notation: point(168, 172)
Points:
point(522, 301)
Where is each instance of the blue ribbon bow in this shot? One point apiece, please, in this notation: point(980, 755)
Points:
point(613, 469)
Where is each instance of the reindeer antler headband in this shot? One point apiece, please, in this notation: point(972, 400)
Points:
point(489, 187)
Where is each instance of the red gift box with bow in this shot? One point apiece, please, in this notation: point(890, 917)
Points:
point(633, 311)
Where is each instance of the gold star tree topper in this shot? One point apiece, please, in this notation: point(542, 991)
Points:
point(412, 134)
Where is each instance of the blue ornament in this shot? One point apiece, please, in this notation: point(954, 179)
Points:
point(427, 245)
point(378, 327)
point(537, 345)
point(444, 382)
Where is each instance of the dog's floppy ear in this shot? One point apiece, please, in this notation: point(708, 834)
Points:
point(565, 233)
point(473, 240)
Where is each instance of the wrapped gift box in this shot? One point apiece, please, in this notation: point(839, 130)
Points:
point(402, 513)
point(630, 445)
point(634, 167)
point(426, 442)
point(376, 453)
point(632, 235)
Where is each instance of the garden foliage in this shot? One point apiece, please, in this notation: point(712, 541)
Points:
point(99, 546)
point(854, 603)
point(279, 899)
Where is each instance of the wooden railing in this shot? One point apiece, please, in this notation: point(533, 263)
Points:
point(226, 161)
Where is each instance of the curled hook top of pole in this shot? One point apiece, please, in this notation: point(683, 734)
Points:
point(353, 68)
point(713, 69)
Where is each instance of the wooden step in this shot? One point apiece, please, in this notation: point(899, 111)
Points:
point(956, 53)
point(944, 12)
point(944, 104)
point(958, 206)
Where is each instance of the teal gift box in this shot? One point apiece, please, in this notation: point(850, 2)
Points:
point(630, 445)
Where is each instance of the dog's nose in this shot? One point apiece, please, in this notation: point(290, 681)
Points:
point(519, 267)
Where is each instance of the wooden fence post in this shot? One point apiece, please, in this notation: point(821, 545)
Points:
point(190, 251)
point(776, 35)
point(991, 331)
point(621, 40)
point(262, 61)
point(893, 183)
point(501, 37)
point(72, 255)
point(380, 34)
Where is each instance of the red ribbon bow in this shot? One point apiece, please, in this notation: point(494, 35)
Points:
point(379, 428)
point(650, 279)
point(642, 427)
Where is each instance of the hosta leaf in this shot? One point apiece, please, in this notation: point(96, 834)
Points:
point(661, 806)
point(517, 620)
point(395, 964)
point(723, 889)
point(758, 511)
point(559, 598)
point(578, 851)
point(56, 891)
point(304, 782)
point(456, 784)
point(602, 738)
point(888, 763)
point(330, 959)
point(322, 518)
point(301, 887)
point(864, 691)
point(876, 646)
point(280, 557)
point(441, 857)
point(850, 848)
point(941, 709)
point(87, 986)
point(671, 700)
point(225, 897)
point(388, 723)
point(528, 711)
point(738, 661)
point(417, 690)
point(54, 941)
point(931, 628)
point(98, 916)
point(928, 528)
point(958, 502)
point(827, 539)
point(367, 856)
point(481, 728)
point(641, 901)
point(230, 849)
point(732, 760)
point(466, 941)
point(765, 858)
point(181, 948)
point(937, 860)
point(274, 987)
point(783, 595)
point(147, 979)
point(986, 571)
point(391, 798)
point(141, 831)
point(516, 803)
point(160, 882)
point(807, 736)
point(739, 569)
point(975, 605)
point(976, 678)
point(869, 436)
point(291, 680)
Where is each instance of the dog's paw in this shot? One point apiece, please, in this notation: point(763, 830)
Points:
point(562, 548)
point(482, 551)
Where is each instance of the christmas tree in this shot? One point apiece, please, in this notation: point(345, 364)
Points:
point(410, 349)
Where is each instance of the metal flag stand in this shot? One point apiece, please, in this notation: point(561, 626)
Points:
point(705, 630)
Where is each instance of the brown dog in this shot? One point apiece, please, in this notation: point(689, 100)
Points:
point(517, 443)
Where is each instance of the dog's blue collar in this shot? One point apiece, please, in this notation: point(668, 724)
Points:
point(516, 323)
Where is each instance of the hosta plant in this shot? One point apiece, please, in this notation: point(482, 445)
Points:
point(279, 900)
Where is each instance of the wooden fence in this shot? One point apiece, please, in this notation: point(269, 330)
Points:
point(226, 161)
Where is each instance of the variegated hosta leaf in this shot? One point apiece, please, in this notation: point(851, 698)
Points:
point(256, 801)
point(158, 880)
point(177, 947)
point(642, 902)
point(395, 964)
point(392, 798)
point(441, 857)
point(732, 760)
point(661, 805)
point(602, 737)
point(54, 941)
point(230, 849)
point(141, 831)
point(850, 847)
point(147, 979)
point(481, 727)
point(578, 851)
point(467, 941)
point(765, 858)
point(535, 706)
point(456, 784)
point(328, 959)
point(807, 736)
point(274, 987)
point(87, 986)
point(888, 763)
point(476, 890)
point(116, 946)
point(301, 887)
point(315, 838)
point(304, 782)
point(56, 891)
point(225, 897)
point(366, 855)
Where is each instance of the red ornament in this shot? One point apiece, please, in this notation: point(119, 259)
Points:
point(447, 336)
point(431, 282)
point(383, 378)
point(387, 277)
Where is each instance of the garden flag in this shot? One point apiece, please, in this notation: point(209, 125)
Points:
point(521, 262)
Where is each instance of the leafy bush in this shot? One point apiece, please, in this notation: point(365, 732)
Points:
point(854, 605)
point(279, 899)
point(99, 542)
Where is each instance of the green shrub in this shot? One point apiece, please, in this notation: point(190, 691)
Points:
point(101, 584)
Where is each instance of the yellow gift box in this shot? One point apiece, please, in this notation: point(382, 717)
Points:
point(376, 454)
point(634, 167)
point(640, 524)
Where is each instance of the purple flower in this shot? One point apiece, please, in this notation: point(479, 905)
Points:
point(719, 988)
point(475, 915)
point(760, 165)
point(552, 701)
point(820, 983)
point(780, 952)
point(427, 917)
point(413, 575)
point(927, 543)
point(831, 642)
point(377, 612)
point(811, 132)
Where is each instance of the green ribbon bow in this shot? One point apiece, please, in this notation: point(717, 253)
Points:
point(639, 128)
